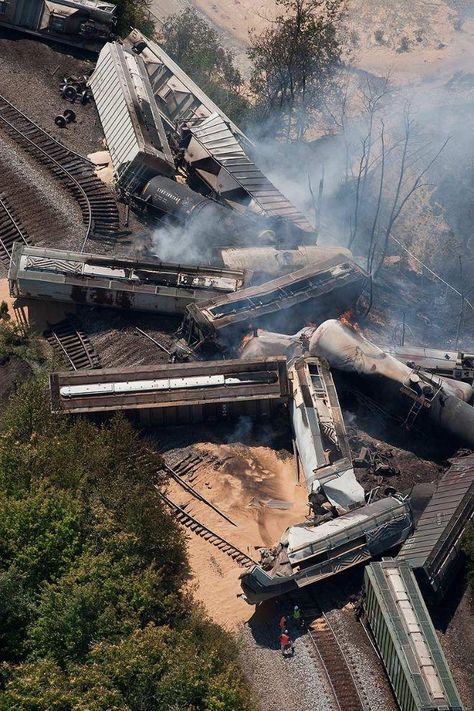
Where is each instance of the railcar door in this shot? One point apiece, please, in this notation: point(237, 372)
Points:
point(28, 13)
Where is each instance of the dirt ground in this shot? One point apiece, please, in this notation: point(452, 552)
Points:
point(244, 481)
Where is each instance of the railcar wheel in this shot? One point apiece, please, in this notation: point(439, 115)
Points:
point(69, 115)
point(70, 93)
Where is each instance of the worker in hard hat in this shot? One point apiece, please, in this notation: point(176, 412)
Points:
point(297, 617)
point(286, 645)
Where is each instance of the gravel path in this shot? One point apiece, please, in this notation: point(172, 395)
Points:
point(292, 683)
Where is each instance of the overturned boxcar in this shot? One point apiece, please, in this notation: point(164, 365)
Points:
point(97, 280)
point(176, 393)
point(309, 553)
point(331, 285)
point(433, 551)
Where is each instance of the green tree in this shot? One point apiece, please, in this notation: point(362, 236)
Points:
point(195, 46)
point(134, 13)
point(95, 610)
point(294, 61)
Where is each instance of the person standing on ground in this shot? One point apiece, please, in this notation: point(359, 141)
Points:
point(297, 617)
point(286, 645)
point(283, 623)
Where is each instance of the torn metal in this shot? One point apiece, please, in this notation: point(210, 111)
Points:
point(445, 401)
point(331, 285)
point(81, 278)
point(308, 553)
point(320, 437)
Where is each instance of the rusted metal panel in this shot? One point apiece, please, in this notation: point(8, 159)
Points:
point(338, 281)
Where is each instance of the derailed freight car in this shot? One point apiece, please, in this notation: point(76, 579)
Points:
point(406, 639)
point(331, 285)
point(308, 553)
point(97, 280)
point(132, 124)
point(176, 393)
point(82, 23)
point(433, 551)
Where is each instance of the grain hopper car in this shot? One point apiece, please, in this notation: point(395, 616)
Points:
point(406, 639)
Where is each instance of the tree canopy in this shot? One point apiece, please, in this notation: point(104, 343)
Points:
point(95, 610)
point(294, 59)
point(134, 13)
point(195, 46)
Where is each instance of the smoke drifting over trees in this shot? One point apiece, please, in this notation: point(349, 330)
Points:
point(293, 65)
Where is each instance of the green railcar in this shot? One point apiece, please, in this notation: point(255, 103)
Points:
point(406, 639)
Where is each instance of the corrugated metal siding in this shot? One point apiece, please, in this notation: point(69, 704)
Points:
point(443, 520)
point(395, 645)
point(113, 99)
point(217, 138)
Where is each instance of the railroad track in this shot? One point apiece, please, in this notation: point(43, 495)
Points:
point(190, 464)
point(10, 230)
point(331, 655)
point(73, 346)
point(200, 529)
point(73, 171)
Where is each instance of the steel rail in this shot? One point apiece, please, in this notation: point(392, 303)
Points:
point(88, 217)
point(68, 342)
point(48, 135)
point(63, 348)
point(179, 479)
point(150, 338)
point(15, 224)
point(331, 640)
point(348, 662)
point(76, 173)
point(85, 346)
point(324, 667)
point(205, 532)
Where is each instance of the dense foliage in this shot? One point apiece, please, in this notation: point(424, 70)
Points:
point(95, 614)
point(14, 341)
point(134, 13)
point(195, 46)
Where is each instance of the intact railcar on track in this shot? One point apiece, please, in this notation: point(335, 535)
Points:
point(98, 280)
point(330, 285)
point(406, 639)
point(81, 23)
point(309, 553)
point(433, 551)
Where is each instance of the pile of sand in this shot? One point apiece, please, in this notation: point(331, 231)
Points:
point(241, 482)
